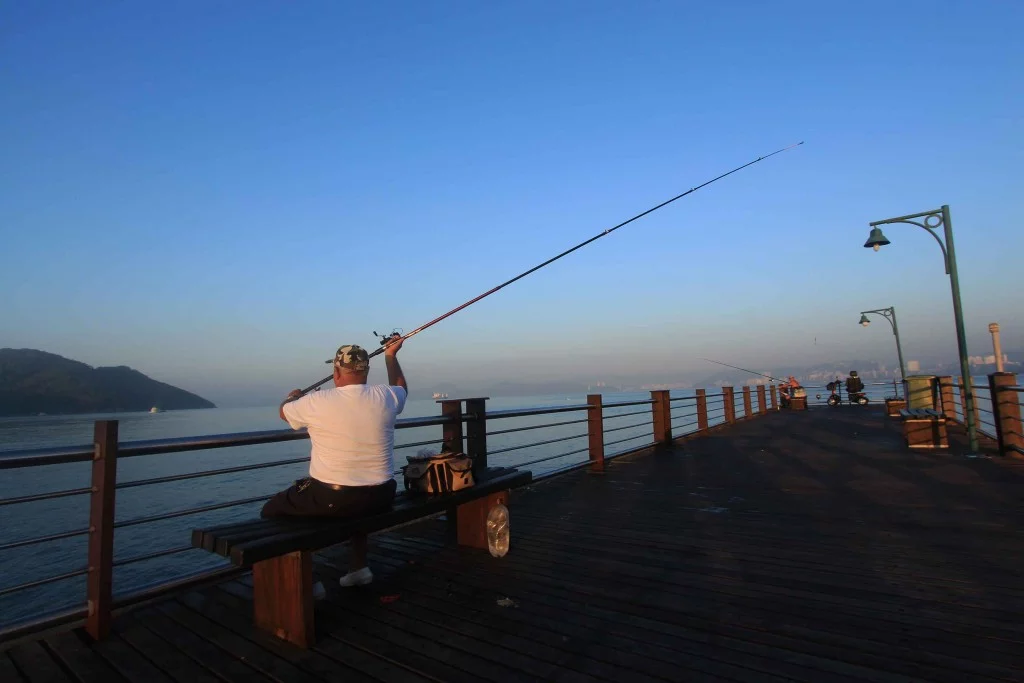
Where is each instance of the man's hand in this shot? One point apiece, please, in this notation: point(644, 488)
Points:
point(392, 347)
point(294, 394)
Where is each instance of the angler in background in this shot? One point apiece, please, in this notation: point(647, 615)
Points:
point(352, 442)
point(787, 390)
point(854, 386)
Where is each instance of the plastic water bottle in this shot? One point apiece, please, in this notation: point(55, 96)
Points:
point(497, 531)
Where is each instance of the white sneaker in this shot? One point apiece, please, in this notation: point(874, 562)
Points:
point(360, 577)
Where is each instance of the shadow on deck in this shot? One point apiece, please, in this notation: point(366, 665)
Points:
point(800, 546)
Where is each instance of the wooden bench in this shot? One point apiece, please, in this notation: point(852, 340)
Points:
point(924, 428)
point(797, 403)
point(893, 406)
point(280, 550)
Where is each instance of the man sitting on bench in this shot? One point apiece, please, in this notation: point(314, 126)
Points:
point(352, 437)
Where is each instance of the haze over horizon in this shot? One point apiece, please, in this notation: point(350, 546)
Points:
point(218, 195)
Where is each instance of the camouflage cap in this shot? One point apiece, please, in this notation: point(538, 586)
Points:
point(352, 357)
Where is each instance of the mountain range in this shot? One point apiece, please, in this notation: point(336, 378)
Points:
point(33, 382)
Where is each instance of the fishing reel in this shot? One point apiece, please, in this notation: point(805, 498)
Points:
point(385, 339)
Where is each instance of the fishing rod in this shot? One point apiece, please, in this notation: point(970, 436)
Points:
point(551, 260)
point(743, 369)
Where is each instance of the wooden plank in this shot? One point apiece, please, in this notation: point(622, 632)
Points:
point(9, 672)
point(525, 646)
point(203, 653)
point(745, 632)
point(140, 655)
point(77, 657)
point(36, 664)
point(335, 651)
point(283, 600)
point(262, 660)
point(229, 616)
point(128, 662)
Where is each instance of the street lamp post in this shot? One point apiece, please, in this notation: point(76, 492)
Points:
point(933, 220)
point(890, 315)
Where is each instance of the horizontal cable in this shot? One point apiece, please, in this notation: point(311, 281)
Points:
point(550, 457)
point(1012, 387)
point(682, 398)
point(1017, 448)
point(635, 412)
point(628, 438)
point(638, 424)
point(209, 473)
point(44, 539)
point(537, 443)
point(43, 582)
point(529, 427)
point(526, 412)
point(623, 404)
point(53, 456)
point(44, 496)
point(150, 556)
point(414, 444)
point(190, 511)
point(687, 424)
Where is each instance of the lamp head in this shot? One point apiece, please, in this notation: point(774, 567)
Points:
point(864, 320)
point(876, 239)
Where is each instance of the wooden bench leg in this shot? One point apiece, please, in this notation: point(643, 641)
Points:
point(283, 597)
point(925, 433)
point(471, 519)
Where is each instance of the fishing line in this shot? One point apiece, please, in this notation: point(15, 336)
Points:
point(551, 260)
point(734, 367)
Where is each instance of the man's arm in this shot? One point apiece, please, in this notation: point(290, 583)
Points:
point(395, 376)
point(292, 395)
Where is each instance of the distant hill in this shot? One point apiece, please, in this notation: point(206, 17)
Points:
point(33, 382)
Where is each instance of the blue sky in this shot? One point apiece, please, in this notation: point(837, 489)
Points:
point(220, 193)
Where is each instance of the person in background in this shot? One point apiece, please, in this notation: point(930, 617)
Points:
point(786, 390)
point(352, 440)
point(854, 384)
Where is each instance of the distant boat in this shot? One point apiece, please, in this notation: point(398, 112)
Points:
point(438, 395)
point(154, 409)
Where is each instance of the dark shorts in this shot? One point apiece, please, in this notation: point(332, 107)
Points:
point(311, 498)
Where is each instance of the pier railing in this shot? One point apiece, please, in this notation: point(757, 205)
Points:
point(597, 432)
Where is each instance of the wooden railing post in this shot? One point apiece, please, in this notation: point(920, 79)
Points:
point(661, 411)
point(452, 430)
point(775, 400)
point(595, 432)
point(762, 407)
point(476, 434)
point(729, 401)
point(748, 411)
point(702, 410)
point(1006, 411)
point(946, 398)
point(99, 584)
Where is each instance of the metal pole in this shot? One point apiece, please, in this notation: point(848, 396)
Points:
point(997, 348)
point(961, 337)
point(899, 347)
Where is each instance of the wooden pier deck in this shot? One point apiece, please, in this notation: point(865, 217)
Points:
point(799, 546)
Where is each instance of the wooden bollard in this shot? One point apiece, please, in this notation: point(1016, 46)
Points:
point(661, 411)
point(99, 582)
point(702, 410)
point(451, 431)
point(476, 434)
point(729, 401)
point(748, 411)
point(775, 399)
point(762, 408)
point(1006, 412)
point(595, 432)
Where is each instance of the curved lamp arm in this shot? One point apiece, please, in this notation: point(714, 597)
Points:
point(886, 313)
point(932, 222)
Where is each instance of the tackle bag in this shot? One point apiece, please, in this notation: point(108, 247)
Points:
point(438, 473)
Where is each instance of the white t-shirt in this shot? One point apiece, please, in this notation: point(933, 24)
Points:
point(352, 431)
